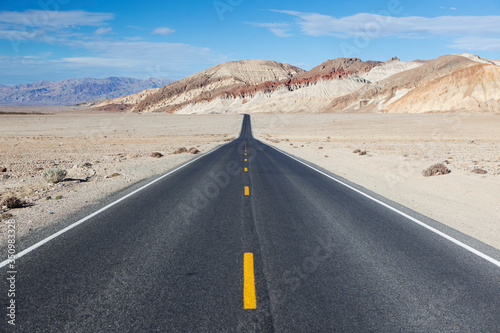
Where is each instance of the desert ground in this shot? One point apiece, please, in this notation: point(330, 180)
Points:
point(398, 148)
point(102, 153)
point(112, 151)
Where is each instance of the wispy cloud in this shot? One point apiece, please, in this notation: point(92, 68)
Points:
point(476, 43)
point(99, 51)
point(281, 29)
point(314, 24)
point(103, 31)
point(46, 18)
point(163, 31)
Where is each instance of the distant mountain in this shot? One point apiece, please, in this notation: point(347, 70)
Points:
point(464, 82)
point(74, 91)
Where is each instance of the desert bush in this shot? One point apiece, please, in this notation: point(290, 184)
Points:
point(116, 174)
point(357, 151)
point(181, 150)
point(193, 150)
point(2, 169)
point(54, 175)
point(363, 152)
point(156, 154)
point(59, 197)
point(480, 171)
point(12, 202)
point(436, 170)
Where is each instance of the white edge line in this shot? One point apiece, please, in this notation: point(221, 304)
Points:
point(62, 231)
point(440, 233)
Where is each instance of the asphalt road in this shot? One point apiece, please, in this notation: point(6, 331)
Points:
point(170, 258)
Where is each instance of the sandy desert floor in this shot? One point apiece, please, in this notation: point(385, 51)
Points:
point(399, 147)
point(92, 147)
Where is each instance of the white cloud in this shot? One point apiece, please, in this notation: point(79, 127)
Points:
point(476, 43)
point(281, 29)
point(163, 31)
point(47, 18)
point(124, 56)
point(373, 26)
point(139, 59)
point(280, 32)
point(103, 31)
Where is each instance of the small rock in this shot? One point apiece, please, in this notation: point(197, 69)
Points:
point(193, 151)
point(480, 171)
point(2, 169)
point(320, 147)
point(156, 154)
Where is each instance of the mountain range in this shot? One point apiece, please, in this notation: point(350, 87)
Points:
point(74, 91)
point(462, 82)
point(450, 83)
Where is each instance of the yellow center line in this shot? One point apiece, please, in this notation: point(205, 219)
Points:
point(245, 159)
point(249, 298)
point(246, 169)
point(247, 190)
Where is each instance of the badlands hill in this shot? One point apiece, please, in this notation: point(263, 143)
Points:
point(216, 82)
point(449, 83)
point(73, 91)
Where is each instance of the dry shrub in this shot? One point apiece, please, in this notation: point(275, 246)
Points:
point(480, 171)
point(357, 151)
point(181, 150)
point(5, 216)
point(12, 202)
point(363, 152)
point(116, 174)
point(320, 147)
point(156, 154)
point(2, 169)
point(193, 150)
point(436, 170)
point(54, 175)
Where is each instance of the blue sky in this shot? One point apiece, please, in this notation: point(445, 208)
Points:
point(58, 39)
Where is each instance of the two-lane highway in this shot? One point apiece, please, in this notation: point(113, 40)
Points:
point(247, 239)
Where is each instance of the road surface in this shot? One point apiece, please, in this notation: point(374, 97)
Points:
point(247, 239)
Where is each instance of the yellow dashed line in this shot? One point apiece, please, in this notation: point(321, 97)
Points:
point(247, 190)
point(249, 298)
point(246, 169)
point(245, 159)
